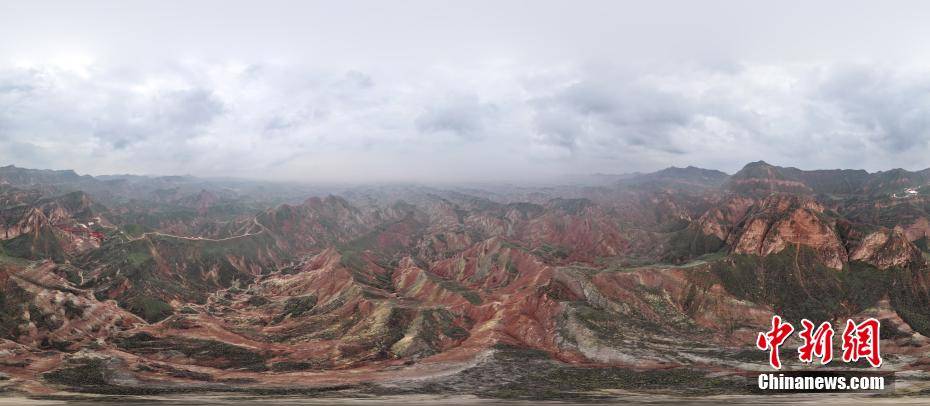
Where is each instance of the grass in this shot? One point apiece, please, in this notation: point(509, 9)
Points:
point(133, 230)
point(84, 373)
point(12, 302)
point(690, 243)
point(6, 259)
point(137, 259)
point(39, 244)
point(150, 308)
point(798, 285)
point(296, 306)
point(910, 297)
point(454, 286)
point(203, 352)
point(515, 373)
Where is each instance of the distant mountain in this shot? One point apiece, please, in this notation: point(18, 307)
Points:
point(762, 178)
point(682, 179)
point(12, 175)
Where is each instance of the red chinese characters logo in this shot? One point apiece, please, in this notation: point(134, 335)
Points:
point(862, 341)
point(859, 341)
point(816, 343)
point(773, 339)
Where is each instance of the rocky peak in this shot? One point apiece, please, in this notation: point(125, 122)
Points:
point(886, 249)
point(35, 219)
point(780, 221)
point(720, 220)
point(760, 179)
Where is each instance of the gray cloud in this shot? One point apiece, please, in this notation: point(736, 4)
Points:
point(892, 108)
point(284, 121)
point(358, 91)
point(611, 114)
point(169, 117)
point(462, 115)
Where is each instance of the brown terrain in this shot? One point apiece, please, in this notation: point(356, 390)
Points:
point(653, 283)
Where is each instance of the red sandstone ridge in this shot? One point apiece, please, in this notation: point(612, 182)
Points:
point(579, 227)
point(780, 221)
point(44, 310)
point(720, 220)
point(885, 249)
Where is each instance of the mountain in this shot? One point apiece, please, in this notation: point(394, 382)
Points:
point(57, 227)
point(781, 221)
point(761, 177)
point(185, 284)
point(11, 175)
point(42, 309)
point(682, 179)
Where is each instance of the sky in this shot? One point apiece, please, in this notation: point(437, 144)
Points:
point(461, 91)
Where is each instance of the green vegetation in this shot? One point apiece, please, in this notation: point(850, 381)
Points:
point(39, 244)
point(563, 382)
point(352, 259)
point(690, 243)
point(150, 308)
point(607, 326)
point(923, 243)
point(73, 310)
point(13, 261)
point(441, 322)
point(531, 375)
point(204, 352)
point(910, 297)
point(12, 301)
point(799, 286)
point(82, 373)
point(137, 259)
point(549, 253)
point(296, 306)
point(42, 320)
point(454, 286)
point(290, 366)
point(133, 230)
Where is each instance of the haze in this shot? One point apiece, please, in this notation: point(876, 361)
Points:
point(461, 91)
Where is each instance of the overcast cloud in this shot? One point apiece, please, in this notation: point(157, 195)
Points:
point(464, 91)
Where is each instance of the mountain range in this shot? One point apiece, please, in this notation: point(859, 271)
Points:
point(644, 282)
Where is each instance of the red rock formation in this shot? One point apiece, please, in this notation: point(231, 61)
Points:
point(885, 249)
point(783, 220)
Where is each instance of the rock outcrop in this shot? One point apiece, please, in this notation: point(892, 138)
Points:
point(782, 220)
point(885, 249)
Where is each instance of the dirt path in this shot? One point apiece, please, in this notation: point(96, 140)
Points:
point(248, 234)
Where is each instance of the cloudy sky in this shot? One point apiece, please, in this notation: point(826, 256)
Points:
point(461, 91)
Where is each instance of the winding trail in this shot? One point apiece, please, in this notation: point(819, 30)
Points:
point(261, 227)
